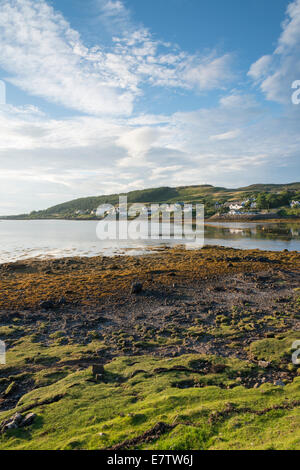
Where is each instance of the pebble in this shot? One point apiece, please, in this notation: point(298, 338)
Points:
point(136, 288)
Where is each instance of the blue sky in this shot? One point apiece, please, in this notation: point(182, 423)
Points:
point(112, 95)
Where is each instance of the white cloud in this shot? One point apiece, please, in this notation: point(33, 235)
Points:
point(275, 73)
point(259, 69)
point(110, 148)
point(45, 57)
point(209, 74)
point(60, 159)
point(138, 141)
point(291, 29)
point(226, 136)
point(238, 100)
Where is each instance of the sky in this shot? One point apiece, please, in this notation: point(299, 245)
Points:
point(106, 96)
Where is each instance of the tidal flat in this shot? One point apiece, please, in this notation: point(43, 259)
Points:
point(199, 358)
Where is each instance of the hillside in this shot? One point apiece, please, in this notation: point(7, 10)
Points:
point(206, 194)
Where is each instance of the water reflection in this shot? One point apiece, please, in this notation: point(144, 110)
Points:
point(257, 231)
point(59, 238)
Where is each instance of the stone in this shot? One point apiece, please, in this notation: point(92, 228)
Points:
point(62, 301)
point(97, 369)
point(136, 288)
point(17, 418)
point(47, 304)
point(218, 368)
point(279, 383)
point(264, 364)
point(28, 420)
point(12, 423)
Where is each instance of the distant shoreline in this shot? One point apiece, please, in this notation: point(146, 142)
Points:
point(258, 197)
point(263, 218)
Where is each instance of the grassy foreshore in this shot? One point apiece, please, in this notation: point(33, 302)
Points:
point(200, 359)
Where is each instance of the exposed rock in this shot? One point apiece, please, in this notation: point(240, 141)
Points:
point(47, 304)
point(136, 288)
point(17, 421)
point(17, 418)
point(8, 426)
point(279, 383)
point(264, 364)
point(218, 368)
point(97, 369)
point(62, 301)
point(28, 420)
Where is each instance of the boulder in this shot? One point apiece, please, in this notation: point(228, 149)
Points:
point(47, 304)
point(17, 418)
point(97, 369)
point(136, 288)
point(264, 364)
point(279, 383)
point(28, 420)
point(62, 301)
point(17, 421)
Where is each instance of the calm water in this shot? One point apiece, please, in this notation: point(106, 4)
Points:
point(21, 239)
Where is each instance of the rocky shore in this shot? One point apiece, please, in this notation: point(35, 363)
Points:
point(215, 318)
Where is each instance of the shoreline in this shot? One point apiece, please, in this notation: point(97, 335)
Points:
point(242, 218)
point(207, 328)
point(167, 262)
point(126, 253)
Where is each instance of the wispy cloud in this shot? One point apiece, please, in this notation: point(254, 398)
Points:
point(45, 57)
point(108, 147)
point(275, 73)
point(226, 136)
point(90, 155)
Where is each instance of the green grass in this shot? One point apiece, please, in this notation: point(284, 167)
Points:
point(128, 404)
point(274, 349)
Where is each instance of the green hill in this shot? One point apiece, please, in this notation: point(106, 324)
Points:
point(206, 194)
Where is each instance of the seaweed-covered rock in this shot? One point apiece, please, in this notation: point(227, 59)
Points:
point(47, 304)
point(136, 288)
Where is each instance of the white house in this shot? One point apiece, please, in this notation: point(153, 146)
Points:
point(103, 210)
point(236, 206)
point(234, 212)
point(295, 204)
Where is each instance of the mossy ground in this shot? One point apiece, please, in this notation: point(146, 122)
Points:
point(185, 353)
point(135, 395)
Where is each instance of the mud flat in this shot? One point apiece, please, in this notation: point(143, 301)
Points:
point(199, 357)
